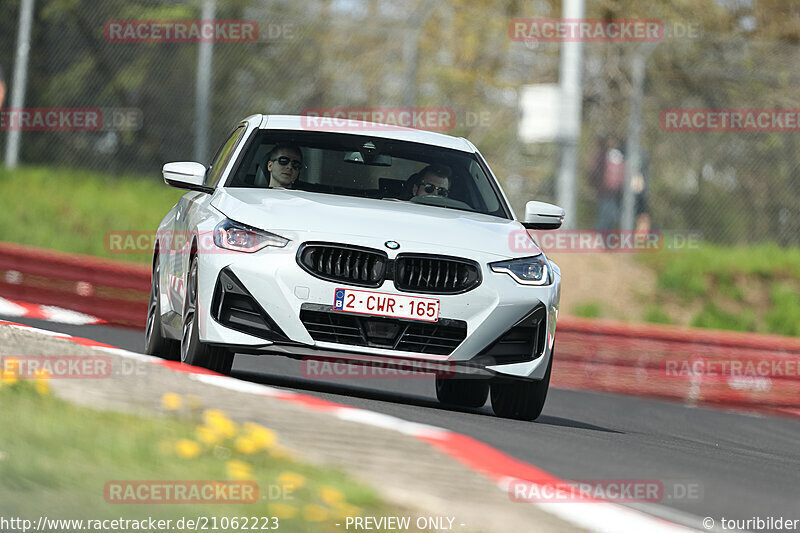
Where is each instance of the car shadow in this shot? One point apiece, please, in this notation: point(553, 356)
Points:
point(569, 423)
point(345, 390)
point(349, 390)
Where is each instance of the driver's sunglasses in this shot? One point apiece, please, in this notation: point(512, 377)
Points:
point(430, 188)
point(283, 161)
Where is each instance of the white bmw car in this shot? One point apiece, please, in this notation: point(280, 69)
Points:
point(360, 242)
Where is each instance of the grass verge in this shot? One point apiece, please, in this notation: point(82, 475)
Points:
point(73, 210)
point(56, 460)
point(742, 288)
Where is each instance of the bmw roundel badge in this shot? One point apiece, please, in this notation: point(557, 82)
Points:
point(392, 245)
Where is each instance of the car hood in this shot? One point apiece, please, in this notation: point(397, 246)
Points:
point(279, 210)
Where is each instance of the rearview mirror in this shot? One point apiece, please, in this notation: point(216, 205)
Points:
point(186, 175)
point(541, 215)
point(377, 160)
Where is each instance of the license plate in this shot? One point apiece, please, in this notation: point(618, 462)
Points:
point(382, 304)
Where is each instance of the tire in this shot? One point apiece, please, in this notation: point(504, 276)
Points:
point(154, 341)
point(193, 351)
point(462, 392)
point(521, 400)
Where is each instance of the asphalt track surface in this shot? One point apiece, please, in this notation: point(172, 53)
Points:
point(738, 466)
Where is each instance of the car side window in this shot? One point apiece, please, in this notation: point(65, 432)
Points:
point(223, 156)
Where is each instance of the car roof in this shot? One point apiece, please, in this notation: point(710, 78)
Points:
point(358, 127)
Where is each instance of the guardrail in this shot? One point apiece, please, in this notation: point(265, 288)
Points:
point(694, 366)
point(115, 291)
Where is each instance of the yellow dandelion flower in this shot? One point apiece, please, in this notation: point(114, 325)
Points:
point(315, 513)
point(10, 371)
point(42, 384)
point(291, 479)
point(263, 437)
point(331, 496)
point(171, 401)
point(42, 388)
point(207, 435)
point(345, 510)
point(246, 445)
point(187, 448)
point(219, 421)
point(239, 469)
point(282, 511)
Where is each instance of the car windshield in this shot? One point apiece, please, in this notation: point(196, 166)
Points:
point(369, 167)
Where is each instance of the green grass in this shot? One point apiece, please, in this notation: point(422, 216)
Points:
point(73, 210)
point(717, 276)
point(784, 316)
point(713, 317)
point(589, 310)
point(56, 459)
point(687, 271)
point(655, 314)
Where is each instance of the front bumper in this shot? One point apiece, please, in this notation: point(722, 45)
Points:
point(282, 290)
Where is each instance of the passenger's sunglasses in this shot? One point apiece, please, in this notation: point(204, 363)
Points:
point(430, 188)
point(283, 161)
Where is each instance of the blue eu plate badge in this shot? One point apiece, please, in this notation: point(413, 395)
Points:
point(338, 302)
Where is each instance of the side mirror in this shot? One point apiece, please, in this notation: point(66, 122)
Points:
point(186, 175)
point(541, 215)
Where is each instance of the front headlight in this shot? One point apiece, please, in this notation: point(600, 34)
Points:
point(235, 236)
point(527, 270)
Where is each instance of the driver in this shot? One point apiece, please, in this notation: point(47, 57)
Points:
point(283, 165)
point(431, 180)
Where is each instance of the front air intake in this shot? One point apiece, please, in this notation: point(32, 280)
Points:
point(234, 307)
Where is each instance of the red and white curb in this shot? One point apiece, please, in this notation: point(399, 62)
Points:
point(17, 309)
point(499, 467)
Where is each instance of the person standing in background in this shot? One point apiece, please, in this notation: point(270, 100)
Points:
point(607, 178)
point(639, 188)
point(2, 87)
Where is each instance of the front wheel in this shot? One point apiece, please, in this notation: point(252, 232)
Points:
point(521, 400)
point(193, 351)
point(462, 392)
point(154, 341)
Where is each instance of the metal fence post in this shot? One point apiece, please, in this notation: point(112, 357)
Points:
point(202, 112)
point(569, 79)
point(20, 81)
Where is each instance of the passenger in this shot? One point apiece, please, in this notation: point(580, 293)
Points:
point(433, 180)
point(283, 165)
